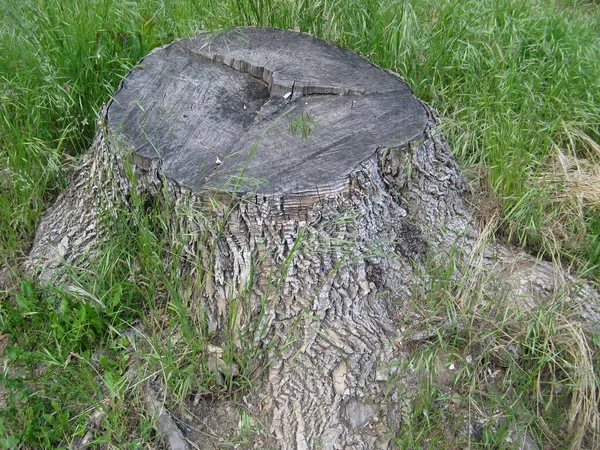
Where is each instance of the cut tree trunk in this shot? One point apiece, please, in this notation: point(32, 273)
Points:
point(333, 188)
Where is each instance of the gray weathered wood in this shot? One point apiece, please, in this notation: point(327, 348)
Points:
point(221, 97)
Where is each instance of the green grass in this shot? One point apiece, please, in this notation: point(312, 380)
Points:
point(517, 84)
point(491, 370)
point(95, 342)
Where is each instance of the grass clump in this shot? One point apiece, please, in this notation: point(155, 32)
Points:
point(52, 369)
point(59, 62)
point(516, 85)
point(495, 373)
point(108, 336)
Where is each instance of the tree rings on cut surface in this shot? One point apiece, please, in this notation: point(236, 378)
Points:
point(262, 110)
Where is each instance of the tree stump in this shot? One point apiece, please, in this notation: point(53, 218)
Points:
point(334, 186)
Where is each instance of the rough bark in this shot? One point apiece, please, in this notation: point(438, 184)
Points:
point(320, 257)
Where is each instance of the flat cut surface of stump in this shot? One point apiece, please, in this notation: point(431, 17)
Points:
point(291, 113)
